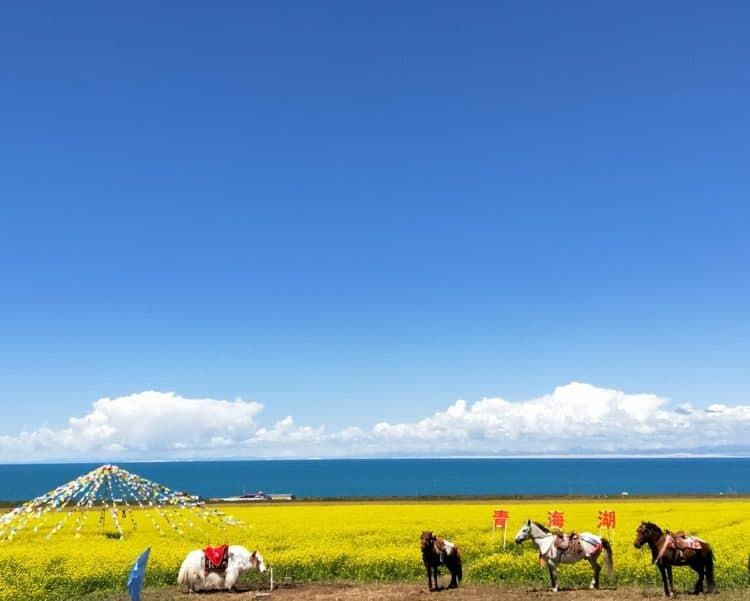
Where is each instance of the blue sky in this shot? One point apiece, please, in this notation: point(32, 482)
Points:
point(354, 214)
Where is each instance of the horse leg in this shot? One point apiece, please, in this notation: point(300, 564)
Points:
point(698, 567)
point(665, 581)
point(671, 580)
point(710, 572)
point(552, 575)
point(453, 583)
point(231, 576)
point(597, 570)
point(452, 570)
point(435, 576)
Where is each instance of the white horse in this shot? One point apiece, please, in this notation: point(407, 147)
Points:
point(193, 569)
point(590, 547)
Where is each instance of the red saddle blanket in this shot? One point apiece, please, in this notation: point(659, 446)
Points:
point(216, 558)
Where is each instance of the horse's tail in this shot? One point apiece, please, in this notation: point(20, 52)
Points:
point(608, 562)
point(459, 569)
point(710, 569)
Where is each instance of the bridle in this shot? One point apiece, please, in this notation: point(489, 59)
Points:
point(646, 535)
point(429, 543)
point(536, 538)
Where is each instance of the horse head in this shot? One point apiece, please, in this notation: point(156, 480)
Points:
point(524, 533)
point(647, 531)
point(257, 562)
point(426, 539)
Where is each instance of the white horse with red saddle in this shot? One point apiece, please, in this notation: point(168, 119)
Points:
point(215, 568)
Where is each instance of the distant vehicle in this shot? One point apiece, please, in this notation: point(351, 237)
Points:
point(281, 497)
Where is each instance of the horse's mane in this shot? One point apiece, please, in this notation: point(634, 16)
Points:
point(652, 526)
point(541, 527)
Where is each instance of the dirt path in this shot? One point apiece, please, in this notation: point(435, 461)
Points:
point(402, 592)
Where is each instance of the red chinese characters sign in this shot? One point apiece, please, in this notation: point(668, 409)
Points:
point(607, 519)
point(500, 518)
point(555, 519)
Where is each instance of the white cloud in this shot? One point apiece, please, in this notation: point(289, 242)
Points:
point(149, 424)
point(285, 431)
point(575, 418)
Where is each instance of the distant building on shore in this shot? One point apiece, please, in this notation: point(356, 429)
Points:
point(258, 496)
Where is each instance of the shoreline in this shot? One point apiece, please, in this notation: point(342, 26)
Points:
point(487, 498)
point(427, 499)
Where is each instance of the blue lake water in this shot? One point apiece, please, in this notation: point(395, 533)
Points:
point(412, 477)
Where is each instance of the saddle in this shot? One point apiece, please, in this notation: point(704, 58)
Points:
point(561, 544)
point(679, 541)
point(216, 558)
point(568, 543)
point(447, 550)
point(443, 548)
point(683, 541)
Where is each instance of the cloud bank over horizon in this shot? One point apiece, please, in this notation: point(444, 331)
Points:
point(574, 419)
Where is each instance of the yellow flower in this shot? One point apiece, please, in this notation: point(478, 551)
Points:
point(351, 541)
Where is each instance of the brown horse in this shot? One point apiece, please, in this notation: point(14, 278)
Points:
point(436, 551)
point(674, 549)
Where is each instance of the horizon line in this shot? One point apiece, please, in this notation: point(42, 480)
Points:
point(391, 458)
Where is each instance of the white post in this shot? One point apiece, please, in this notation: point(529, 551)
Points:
point(505, 531)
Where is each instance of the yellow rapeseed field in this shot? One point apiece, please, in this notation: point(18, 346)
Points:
point(368, 541)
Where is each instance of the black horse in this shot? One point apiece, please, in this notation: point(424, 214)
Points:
point(674, 549)
point(436, 551)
